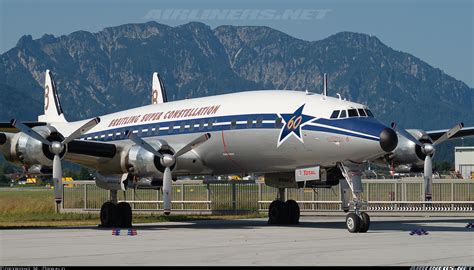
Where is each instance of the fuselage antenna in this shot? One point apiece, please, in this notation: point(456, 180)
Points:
point(325, 90)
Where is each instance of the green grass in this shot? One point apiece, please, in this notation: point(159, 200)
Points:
point(36, 208)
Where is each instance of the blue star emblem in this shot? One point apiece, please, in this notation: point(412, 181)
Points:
point(293, 123)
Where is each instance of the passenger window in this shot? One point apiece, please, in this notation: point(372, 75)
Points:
point(361, 112)
point(171, 128)
point(259, 122)
point(191, 126)
point(249, 123)
point(233, 124)
point(181, 128)
point(201, 125)
point(343, 114)
point(353, 113)
point(209, 124)
point(334, 114)
point(278, 123)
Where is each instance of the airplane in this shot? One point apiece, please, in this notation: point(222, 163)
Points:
point(296, 139)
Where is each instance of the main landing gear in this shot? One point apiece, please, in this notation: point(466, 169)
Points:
point(113, 214)
point(357, 221)
point(281, 212)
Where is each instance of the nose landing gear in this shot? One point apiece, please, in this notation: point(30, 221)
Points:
point(357, 221)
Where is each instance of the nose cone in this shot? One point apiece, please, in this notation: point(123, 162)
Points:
point(388, 139)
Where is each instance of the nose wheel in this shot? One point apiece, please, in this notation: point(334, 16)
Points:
point(357, 223)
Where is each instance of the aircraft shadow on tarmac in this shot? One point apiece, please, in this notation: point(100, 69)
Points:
point(452, 225)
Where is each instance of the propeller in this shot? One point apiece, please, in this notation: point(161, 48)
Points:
point(56, 148)
point(167, 161)
point(428, 149)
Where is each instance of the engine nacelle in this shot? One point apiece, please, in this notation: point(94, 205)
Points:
point(141, 163)
point(408, 157)
point(126, 181)
point(328, 177)
point(25, 150)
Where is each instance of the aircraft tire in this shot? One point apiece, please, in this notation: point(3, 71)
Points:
point(293, 212)
point(365, 222)
point(353, 222)
point(124, 215)
point(108, 215)
point(277, 213)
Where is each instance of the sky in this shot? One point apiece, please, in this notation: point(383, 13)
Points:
point(440, 32)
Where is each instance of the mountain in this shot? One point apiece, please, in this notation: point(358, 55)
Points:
point(110, 70)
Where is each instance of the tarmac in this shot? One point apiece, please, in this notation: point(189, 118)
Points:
point(315, 241)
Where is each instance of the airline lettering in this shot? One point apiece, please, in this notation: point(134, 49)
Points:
point(209, 110)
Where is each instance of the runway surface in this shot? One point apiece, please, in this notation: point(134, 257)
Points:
point(316, 241)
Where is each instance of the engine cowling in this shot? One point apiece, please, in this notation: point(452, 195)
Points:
point(407, 156)
point(25, 150)
point(139, 162)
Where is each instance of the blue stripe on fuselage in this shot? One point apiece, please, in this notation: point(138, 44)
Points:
point(363, 125)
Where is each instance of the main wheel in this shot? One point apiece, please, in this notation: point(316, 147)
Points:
point(293, 212)
point(353, 222)
point(365, 222)
point(108, 215)
point(124, 215)
point(277, 213)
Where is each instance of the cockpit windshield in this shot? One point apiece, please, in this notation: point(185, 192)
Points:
point(359, 112)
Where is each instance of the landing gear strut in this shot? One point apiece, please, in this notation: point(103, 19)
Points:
point(357, 221)
point(113, 214)
point(281, 212)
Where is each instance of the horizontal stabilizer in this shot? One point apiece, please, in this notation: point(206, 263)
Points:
point(464, 132)
point(9, 128)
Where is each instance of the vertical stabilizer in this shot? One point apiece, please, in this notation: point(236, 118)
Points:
point(158, 92)
point(53, 112)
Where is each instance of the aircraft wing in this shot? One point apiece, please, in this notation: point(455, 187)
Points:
point(464, 132)
point(9, 128)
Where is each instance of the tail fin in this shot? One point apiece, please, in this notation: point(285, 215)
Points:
point(53, 112)
point(158, 92)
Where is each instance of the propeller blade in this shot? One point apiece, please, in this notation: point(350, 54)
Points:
point(144, 144)
point(57, 179)
point(190, 146)
point(82, 130)
point(30, 132)
point(406, 134)
point(449, 134)
point(428, 178)
point(167, 191)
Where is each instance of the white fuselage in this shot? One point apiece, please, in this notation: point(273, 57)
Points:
point(254, 131)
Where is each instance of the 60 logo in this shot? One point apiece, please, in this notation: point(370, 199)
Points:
point(294, 122)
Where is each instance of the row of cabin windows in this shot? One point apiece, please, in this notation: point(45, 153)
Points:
point(351, 113)
point(191, 126)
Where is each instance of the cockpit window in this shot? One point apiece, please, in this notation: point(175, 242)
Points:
point(334, 114)
point(352, 113)
point(369, 113)
point(343, 114)
point(361, 112)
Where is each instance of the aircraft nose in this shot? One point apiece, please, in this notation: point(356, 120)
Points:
point(388, 139)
